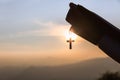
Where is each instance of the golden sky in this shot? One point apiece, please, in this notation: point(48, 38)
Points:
point(32, 32)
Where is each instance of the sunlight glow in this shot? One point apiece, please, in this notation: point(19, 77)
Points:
point(69, 34)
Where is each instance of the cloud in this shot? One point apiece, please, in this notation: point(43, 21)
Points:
point(44, 28)
point(51, 28)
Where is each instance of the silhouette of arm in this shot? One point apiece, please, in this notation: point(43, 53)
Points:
point(95, 29)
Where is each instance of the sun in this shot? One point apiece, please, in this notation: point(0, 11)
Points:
point(69, 34)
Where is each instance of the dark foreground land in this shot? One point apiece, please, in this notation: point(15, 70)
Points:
point(87, 70)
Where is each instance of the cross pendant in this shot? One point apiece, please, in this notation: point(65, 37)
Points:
point(70, 43)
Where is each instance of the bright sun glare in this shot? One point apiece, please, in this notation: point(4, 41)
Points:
point(69, 34)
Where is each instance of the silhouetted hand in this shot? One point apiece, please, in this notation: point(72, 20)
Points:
point(95, 29)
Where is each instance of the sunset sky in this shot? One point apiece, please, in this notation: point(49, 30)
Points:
point(32, 32)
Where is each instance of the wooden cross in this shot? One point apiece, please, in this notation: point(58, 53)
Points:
point(70, 42)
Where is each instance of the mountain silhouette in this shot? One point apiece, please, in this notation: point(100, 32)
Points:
point(86, 70)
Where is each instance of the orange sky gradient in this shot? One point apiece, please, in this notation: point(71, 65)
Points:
point(52, 52)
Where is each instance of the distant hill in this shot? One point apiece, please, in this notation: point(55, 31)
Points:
point(87, 70)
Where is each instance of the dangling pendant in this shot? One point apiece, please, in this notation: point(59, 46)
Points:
point(70, 40)
point(70, 43)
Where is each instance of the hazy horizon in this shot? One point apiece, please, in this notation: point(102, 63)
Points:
point(74, 71)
